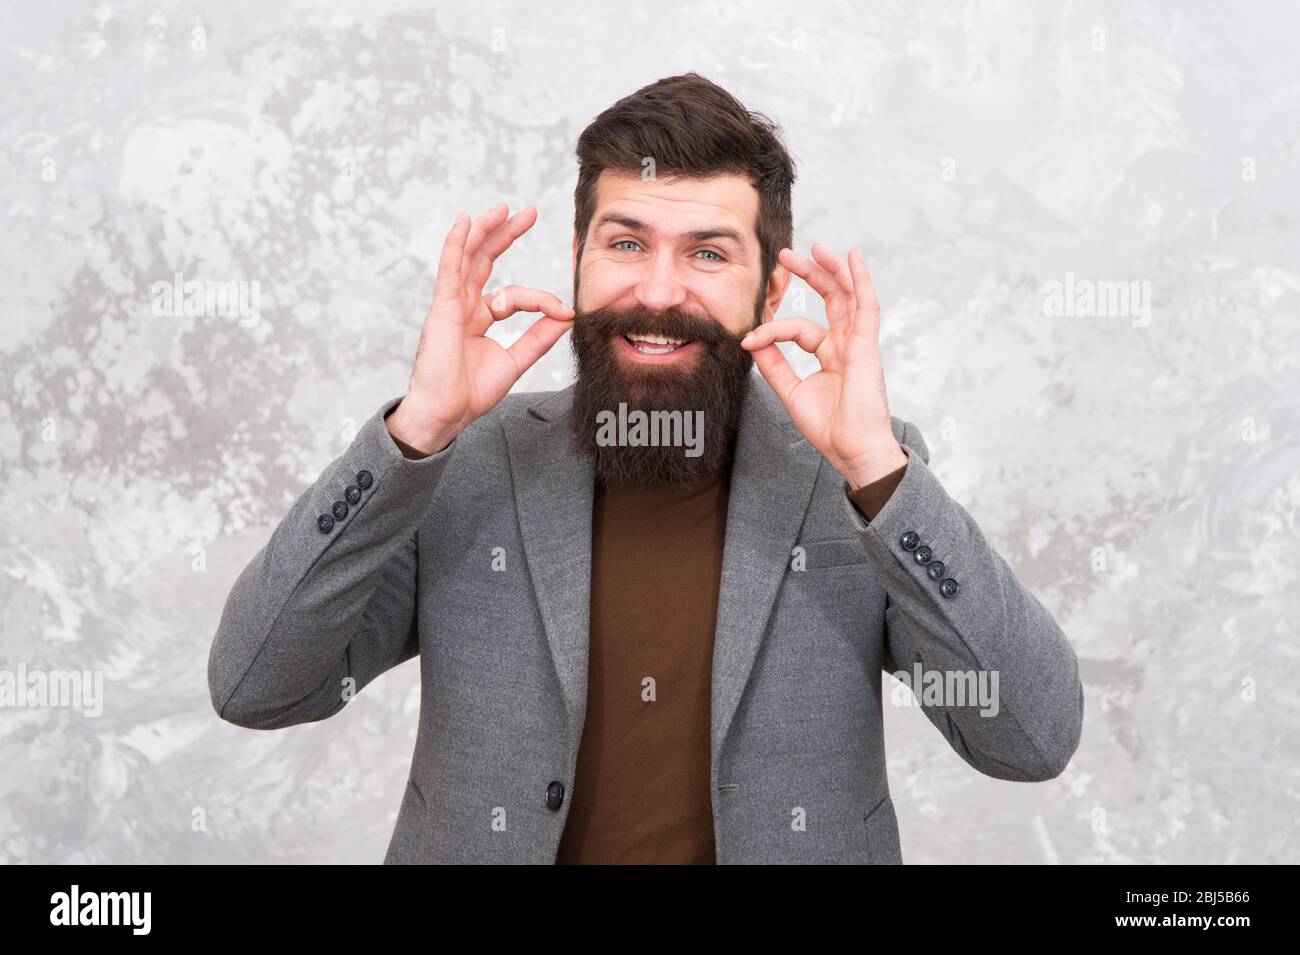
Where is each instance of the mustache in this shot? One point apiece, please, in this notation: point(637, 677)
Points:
point(672, 323)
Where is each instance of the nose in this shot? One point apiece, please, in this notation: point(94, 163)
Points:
point(661, 287)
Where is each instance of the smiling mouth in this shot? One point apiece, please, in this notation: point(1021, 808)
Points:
point(655, 344)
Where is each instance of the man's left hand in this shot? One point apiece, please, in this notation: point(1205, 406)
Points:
point(841, 409)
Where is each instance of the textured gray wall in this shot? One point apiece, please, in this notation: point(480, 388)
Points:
point(1138, 470)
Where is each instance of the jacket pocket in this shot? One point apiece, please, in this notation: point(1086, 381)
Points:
point(881, 825)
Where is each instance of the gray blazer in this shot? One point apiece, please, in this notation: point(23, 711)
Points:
point(477, 560)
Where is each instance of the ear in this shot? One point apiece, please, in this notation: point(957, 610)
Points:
point(776, 288)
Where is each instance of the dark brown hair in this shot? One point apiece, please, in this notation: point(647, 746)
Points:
point(692, 128)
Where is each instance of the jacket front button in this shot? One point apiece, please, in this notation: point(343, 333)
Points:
point(949, 587)
point(325, 523)
point(910, 540)
point(554, 795)
point(923, 554)
point(365, 479)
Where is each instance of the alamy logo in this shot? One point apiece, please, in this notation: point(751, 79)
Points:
point(1086, 298)
point(947, 688)
point(234, 299)
point(75, 689)
point(655, 429)
point(102, 908)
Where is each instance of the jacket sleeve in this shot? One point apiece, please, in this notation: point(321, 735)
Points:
point(971, 618)
point(329, 603)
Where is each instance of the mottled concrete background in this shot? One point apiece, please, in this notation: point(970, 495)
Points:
point(1139, 470)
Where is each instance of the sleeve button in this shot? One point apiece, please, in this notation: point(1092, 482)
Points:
point(949, 587)
point(909, 540)
point(340, 510)
point(935, 570)
point(365, 479)
point(325, 523)
point(923, 554)
point(352, 494)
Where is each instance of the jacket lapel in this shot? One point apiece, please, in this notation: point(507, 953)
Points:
point(553, 498)
point(772, 477)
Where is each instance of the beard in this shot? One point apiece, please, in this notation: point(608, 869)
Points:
point(708, 385)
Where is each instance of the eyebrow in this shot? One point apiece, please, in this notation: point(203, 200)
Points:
point(697, 235)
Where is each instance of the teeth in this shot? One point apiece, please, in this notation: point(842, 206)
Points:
point(657, 339)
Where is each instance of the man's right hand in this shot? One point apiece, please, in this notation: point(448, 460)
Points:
point(459, 372)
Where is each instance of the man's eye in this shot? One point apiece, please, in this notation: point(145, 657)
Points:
point(717, 257)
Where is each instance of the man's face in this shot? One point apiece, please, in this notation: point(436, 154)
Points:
point(667, 285)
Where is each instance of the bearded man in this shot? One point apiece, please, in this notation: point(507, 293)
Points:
point(637, 647)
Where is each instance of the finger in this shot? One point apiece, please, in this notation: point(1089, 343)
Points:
point(484, 226)
point(839, 271)
point(536, 342)
point(447, 283)
point(497, 242)
point(866, 317)
point(774, 367)
point(805, 333)
point(821, 281)
point(506, 301)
